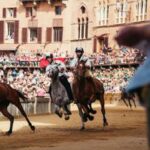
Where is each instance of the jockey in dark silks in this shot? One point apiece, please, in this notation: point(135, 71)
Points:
point(62, 76)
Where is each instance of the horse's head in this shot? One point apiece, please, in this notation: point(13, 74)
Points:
point(53, 72)
point(80, 69)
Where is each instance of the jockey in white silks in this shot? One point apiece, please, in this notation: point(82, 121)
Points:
point(62, 74)
point(80, 57)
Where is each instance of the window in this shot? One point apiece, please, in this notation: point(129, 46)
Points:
point(10, 31)
point(30, 12)
point(83, 9)
point(82, 35)
point(86, 27)
point(58, 34)
point(102, 14)
point(141, 10)
point(58, 10)
point(10, 12)
point(78, 28)
point(33, 34)
point(121, 11)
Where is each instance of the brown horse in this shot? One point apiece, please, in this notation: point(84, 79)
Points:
point(85, 94)
point(127, 98)
point(9, 95)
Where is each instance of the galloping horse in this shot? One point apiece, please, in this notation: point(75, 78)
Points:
point(9, 95)
point(85, 95)
point(58, 94)
point(127, 96)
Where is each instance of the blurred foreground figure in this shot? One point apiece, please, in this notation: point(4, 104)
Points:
point(139, 38)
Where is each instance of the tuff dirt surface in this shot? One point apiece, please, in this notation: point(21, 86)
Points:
point(126, 131)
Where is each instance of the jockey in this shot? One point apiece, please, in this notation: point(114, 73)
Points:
point(80, 57)
point(62, 74)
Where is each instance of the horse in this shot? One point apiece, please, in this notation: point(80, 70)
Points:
point(10, 95)
point(58, 94)
point(85, 94)
point(127, 97)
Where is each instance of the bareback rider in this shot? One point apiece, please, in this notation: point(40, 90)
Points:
point(62, 74)
point(81, 57)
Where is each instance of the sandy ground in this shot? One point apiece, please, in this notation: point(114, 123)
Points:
point(126, 131)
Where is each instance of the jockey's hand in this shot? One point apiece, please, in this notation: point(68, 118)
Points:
point(88, 67)
point(62, 70)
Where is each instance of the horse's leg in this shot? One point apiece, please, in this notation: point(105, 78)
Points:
point(91, 109)
point(129, 100)
point(58, 111)
point(134, 102)
point(19, 106)
point(86, 114)
point(65, 107)
point(125, 102)
point(102, 102)
point(10, 117)
point(81, 116)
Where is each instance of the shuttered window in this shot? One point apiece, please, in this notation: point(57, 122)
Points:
point(4, 12)
point(39, 35)
point(94, 45)
point(24, 35)
point(58, 34)
point(1, 31)
point(49, 34)
point(16, 31)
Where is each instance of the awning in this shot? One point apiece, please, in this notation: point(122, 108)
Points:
point(8, 47)
point(31, 48)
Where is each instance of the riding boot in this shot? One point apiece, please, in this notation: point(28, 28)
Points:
point(66, 84)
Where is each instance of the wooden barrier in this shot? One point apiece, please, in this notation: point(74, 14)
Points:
point(41, 105)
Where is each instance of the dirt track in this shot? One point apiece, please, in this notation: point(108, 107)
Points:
point(126, 131)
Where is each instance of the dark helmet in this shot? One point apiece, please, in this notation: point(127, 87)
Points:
point(79, 49)
point(50, 56)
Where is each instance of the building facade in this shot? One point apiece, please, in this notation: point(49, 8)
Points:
point(43, 26)
point(111, 15)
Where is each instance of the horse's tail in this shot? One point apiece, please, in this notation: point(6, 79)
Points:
point(22, 96)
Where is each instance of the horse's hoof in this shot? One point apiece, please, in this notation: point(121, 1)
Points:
point(8, 133)
point(67, 117)
point(82, 128)
point(59, 114)
point(33, 128)
point(93, 111)
point(90, 118)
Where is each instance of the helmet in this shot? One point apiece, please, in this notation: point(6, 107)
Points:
point(49, 56)
point(79, 49)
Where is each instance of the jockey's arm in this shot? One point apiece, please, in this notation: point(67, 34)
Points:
point(47, 70)
point(88, 64)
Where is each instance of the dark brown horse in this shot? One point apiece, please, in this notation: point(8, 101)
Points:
point(127, 98)
point(9, 95)
point(85, 94)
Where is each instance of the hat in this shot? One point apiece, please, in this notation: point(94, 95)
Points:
point(49, 56)
point(79, 49)
point(141, 77)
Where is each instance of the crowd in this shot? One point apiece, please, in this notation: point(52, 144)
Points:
point(32, 84)
point(114, 78)
point(126, 56)
point(36, 83)
point(122, 57)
